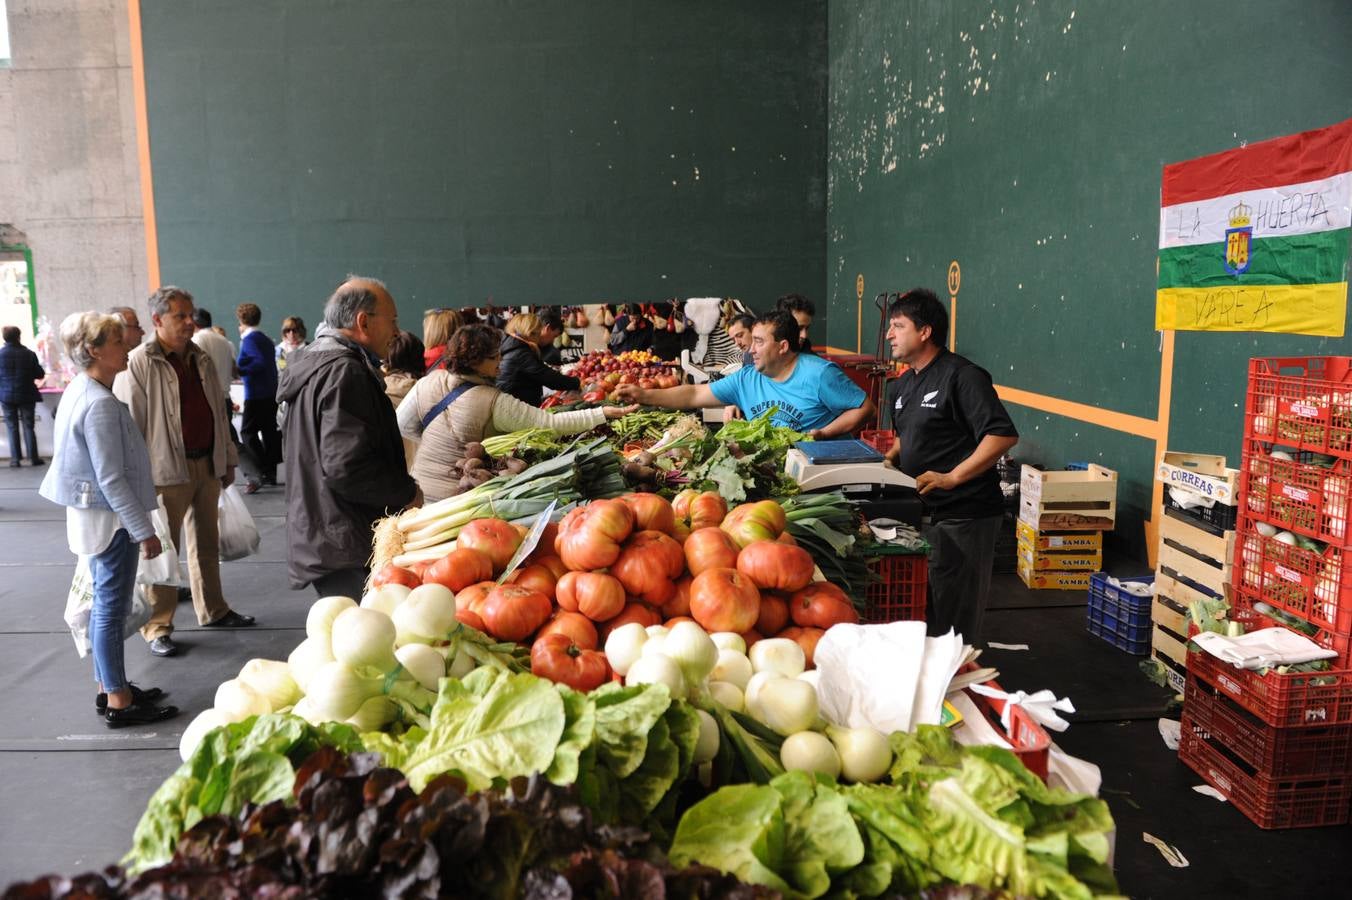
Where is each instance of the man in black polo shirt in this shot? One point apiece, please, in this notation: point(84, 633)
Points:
point(951, 430)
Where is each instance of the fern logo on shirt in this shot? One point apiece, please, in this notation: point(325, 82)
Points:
point(928, 401)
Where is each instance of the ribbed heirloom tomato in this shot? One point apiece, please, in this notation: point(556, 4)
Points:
point(494, 538)
point(512, 612)
point(648, 566)
point(679, 604)
point(751, 522)
point(642, 613)
point(651, 512)
point(575, 625)
point(558, 658)
point(700, 509)
point(536, 576)
point(459, 569)
point(469, 604)
point(709, 548)
point(821, 605)
point(593, 594)
point(806, 638)
point(774, 614)
point(590, 536)
point(775, 566)
point(724, 600)
point(392, 574)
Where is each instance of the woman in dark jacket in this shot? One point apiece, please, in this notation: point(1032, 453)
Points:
point(631, 331)
point(19, 374)
point(522, 373)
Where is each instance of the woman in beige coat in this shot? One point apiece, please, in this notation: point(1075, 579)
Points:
point(446, 410)
point(402, 370)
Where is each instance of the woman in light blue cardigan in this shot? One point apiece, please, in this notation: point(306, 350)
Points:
point(101, 474)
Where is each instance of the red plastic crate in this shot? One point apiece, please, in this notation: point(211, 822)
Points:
point(1299, 496)
point(900, 590)
point(1273, 752)
point(1312, 586)
point(1268, 802)
point(1304, 699)
point(1303, 402)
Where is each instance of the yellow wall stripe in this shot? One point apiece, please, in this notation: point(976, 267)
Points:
point(1105, 418)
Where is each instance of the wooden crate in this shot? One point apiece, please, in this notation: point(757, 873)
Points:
point(1068, 560)
point(1057, 540)
point(1175, 675)
point(1068, 500)
point(1167, 585)
point(1203, 474)
point(1201, 557)
point(1169, 613)
point(1053, 580)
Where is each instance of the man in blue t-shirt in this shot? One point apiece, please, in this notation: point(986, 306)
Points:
point(811, 394)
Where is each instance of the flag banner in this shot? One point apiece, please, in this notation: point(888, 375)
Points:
point(1257, 238)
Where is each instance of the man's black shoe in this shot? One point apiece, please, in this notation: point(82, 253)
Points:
point(232, 619)
point(138, 714)
point(138, 695)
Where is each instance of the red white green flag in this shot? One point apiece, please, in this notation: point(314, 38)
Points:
point(1257, 238)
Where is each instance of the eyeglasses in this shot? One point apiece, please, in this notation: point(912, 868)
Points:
point(290, 331)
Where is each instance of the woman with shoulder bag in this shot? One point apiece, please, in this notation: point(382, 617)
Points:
point(446, 410)
point(101, 474)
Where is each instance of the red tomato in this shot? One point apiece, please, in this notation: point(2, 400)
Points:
point(469, 604)
point(647, 566)
point(775, 566)
point(724, 600)
point(459, 569)
point(700, 509)
point(536, 577)
point(709, 548)
point(590, 536)
point(679, 604)
point(392, 574)
point(751, 636)
point(494, 538)
point(550, 562)
point(562, 661)
point(513, 612)
point(419, 569)
point(774, 614)
point(642, 613)
point(594, 397)
point(787, 538)
point(593, 594)
point(674, 620)
point(545, 546)
point(806, 638)
point(750, 522)
point(821, 605)
point(680, 531)
point(577, 626)
point(651, 512)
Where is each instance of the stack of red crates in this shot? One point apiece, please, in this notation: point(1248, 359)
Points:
point(1280, 746)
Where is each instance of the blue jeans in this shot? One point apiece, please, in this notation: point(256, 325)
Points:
point(114, 575)
point(16, 413)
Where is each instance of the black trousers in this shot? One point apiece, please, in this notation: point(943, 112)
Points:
point(962, 553)
point(343, 583)
point(258, 430)
point(16, 414)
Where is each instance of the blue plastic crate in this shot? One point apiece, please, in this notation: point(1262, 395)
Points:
point(1120, 618)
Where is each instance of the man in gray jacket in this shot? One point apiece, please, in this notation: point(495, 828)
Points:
point(344, 464)
point(176, 400)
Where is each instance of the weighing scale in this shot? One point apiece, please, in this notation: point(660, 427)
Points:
point(857, 470)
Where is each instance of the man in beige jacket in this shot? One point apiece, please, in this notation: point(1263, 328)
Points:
point(177, 401)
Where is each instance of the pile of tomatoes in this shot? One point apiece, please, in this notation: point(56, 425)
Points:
point(637, 558)
point(602, 371)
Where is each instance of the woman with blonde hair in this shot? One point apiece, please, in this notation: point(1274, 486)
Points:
point(293, 339)
point(101, 474)
point(438, 326)
point(524, 373)
point(449, 408)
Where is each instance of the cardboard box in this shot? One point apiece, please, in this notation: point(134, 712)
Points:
point(1057, 540)
point(1076, 560)
point(1068, 500)
point(1053, 580)
point(1200, 473)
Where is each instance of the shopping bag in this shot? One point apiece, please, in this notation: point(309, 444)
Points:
point(80, 601)
point(163, 569)
point(239, 534)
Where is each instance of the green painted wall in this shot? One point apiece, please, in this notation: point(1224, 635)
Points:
point(529, 150)
point(1026, 140)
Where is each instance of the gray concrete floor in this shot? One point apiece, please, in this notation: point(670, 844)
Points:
point(72, 789)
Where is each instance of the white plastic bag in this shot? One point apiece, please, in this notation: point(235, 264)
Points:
point(163, 569)
point(80, 600)
point(239, 534)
